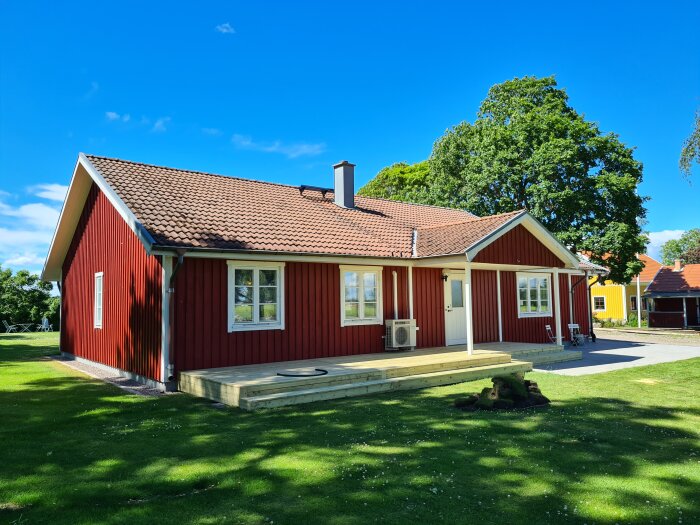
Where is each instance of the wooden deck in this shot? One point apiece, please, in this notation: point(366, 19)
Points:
point(258, 386)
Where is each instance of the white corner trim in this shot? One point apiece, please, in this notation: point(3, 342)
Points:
point(167, 265)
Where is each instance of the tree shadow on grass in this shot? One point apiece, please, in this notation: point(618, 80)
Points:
point(85, 452)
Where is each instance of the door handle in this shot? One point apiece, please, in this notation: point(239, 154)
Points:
point(448, 308)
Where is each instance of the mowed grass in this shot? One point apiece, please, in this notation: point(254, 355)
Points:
point(622, 447)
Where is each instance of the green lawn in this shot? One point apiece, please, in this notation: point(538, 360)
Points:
point(622, 447)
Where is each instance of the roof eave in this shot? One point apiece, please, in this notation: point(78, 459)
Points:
point(84, 174)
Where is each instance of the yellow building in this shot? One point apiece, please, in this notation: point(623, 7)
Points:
point(615, 302)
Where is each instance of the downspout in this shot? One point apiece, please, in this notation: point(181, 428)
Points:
point(395, 295)
point(171, 312)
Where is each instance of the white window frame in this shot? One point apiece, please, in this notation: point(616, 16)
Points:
point(256, 324)
point(379, 319)
point(604, 303)
point(633, 303)
point(98, 304)
point(528, 276)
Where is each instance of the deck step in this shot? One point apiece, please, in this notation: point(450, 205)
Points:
point(442, 377)
point(361, 376)
point(556, 357)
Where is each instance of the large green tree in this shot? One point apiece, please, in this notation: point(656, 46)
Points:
point(400, 182)
point(528, 148)
point(691, 149)
point(686, 248)
point(24, 298)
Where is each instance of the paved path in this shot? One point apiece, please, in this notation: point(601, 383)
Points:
point(606, 355)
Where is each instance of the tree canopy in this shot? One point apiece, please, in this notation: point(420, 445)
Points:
point(24, 298)
point(528, 148)
point(691, 149)
point(400, 182)
point(686, 248)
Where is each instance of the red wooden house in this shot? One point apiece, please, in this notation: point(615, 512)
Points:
point(164, 270)
point(674, 295)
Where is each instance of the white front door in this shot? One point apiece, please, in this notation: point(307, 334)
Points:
point(455, 316)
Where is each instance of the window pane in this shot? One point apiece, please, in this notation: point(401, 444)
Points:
point(351, 279)
point(523, 295)
point(533, 299)
point(533, 282)
point(244, 294)
point(457, 293)
point(522, 282)
point(523, 306)
point(370, 310)
point(268, 313)
point(370, 294)
point(544, 283)
point(544, 296)
point(352, 293)
point(243, 313)
point(244, 278)
point(268, 278)
point(370, 280)
point(544, 305)
point(352, 310)
point(268, 294)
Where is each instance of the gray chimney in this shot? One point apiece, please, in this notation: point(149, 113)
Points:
point(344, 187)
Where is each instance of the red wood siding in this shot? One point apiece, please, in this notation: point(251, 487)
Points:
point(666, 319)
point(429, 306)
point(130, 337)
point(485, 305)
point(581, 304)
point(312, 324)
point(518, 246)
point(532, 329)
point(692, 310)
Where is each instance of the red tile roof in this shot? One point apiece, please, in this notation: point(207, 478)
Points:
point(191, 209)
point(651, 266)
point(668, 281)
point(455, 238)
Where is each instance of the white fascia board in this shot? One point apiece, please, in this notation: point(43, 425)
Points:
point(83, 175)
point(537, 229)
point(288, 257)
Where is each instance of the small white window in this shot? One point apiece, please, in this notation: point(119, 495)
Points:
point(534, 295)
point(599, 303)
point(255, 296)
point(98, 299)
point(634, 303)
point(360, 295)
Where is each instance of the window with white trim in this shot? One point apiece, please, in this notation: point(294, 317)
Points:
point(255, 296)
point(99, 277)
point(534, 295)
point(360, 295)
point(599, 303)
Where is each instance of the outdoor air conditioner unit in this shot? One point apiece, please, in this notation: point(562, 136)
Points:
point(400, 333)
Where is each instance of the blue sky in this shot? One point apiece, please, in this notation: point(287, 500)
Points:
point(280, 91)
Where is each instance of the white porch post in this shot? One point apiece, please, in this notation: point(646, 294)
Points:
point(410, 292)
point(571, 300)
point(557, 307)
point(498, 302)
point(468, 307)
point(685, 315)
point(639, 304)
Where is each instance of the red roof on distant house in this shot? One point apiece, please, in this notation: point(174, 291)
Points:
point(669, 281)
point(651, 266)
